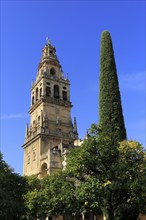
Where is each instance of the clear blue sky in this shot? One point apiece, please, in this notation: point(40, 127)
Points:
point(75, 28)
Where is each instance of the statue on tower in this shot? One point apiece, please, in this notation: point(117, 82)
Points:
point(48, 41)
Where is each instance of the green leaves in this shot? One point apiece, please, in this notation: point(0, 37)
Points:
point(54, 195)
point(97, 179)
point(111, 120)
point(12, 188)
point(109, 177)
point(88, 194)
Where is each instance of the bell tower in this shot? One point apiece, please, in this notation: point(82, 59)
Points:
point(51, 132)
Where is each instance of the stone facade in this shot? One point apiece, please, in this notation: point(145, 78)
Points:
point(51, 132)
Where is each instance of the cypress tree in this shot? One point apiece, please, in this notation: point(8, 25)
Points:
point(111, 120)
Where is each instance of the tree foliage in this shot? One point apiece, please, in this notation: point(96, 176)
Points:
point(33, 198)
point(119, 174)
point(111, 121)
point(12, 188)
point(52, 196)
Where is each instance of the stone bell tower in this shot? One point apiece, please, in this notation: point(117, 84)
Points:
point(51, 132)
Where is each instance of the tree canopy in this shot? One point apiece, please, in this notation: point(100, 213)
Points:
point(12, 188)
point(51, 196)
point(119, 176)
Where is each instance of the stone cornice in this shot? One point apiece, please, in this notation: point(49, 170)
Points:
point(53, 60)
point(46, 76)
point(58, 102)
point(50, 100)
point(48, 134)
point(35, 105)
point(31, 141)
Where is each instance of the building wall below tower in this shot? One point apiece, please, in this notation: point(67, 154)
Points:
point(31, 158)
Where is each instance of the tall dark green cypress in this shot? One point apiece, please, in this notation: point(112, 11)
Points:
point(111, 120)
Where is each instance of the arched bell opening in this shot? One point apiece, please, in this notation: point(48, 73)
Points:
point(56, 91)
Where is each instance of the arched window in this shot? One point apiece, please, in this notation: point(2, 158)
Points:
point(34, 156)
point(28, 159)
point(44, 170)
point(40, 92)
point(52, 71)
point(36, 94)
point(64, 94)
point(56, 91)
point(48, 91)
point(50, 51)
point(32, 99)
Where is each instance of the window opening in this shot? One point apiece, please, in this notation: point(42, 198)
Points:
point(36, 94)
point(34, 156)
point(52, 71)
point(32, 100)
point(48, 91)
point(28, 159)
point(34, 123)
point(56, 91)
point(64, 95)
point(40, 92)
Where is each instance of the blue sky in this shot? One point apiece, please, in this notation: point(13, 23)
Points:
point(75, 28)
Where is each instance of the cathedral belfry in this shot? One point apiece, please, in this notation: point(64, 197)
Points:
point(51, 132)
